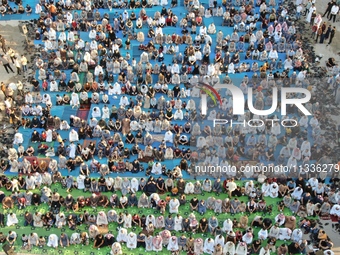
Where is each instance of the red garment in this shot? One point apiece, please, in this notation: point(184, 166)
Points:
point(43, 136)
point(74, 24)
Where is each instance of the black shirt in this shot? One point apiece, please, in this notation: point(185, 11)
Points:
point(194, 202)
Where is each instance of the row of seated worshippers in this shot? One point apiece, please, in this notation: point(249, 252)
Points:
point(283, 227)
point(76, 155)
point(192, 62)
point(302, 198)
point(164, 240)
point(203, 30)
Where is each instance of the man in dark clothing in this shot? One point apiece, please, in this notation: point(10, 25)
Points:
point(329, 7)
point(3, 44)
point(4, 61)
point(294, 248)
point(331, 36)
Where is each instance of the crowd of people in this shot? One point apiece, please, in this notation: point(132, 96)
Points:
point(148, 107)
point(176, 219)
point(136, 72)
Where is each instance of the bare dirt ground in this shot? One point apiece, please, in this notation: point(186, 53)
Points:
point(332, 50)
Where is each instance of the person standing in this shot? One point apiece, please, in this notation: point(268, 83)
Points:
point(3, 44)
point(11, 53)
point(329, 8)
point(334, 12)
point(318, 34)
point(326, 34)
point(23, 61)
point(311, 11)
point(17, 64)
point(4, 61)
point(52, 10)
point(308, 6)
point(299, 9)
point(331, 36)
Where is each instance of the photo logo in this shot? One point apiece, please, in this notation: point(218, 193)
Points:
point(239, 101)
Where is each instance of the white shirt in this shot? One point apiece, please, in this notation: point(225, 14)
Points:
point(335, 9)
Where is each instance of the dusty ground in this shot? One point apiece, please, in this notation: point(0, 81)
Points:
point(332, 50)
point(15, 40)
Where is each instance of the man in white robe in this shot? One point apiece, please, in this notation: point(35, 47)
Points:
point(64, 125)
point(229, 247)
point(157, 242)
point(241, 248)
point(262, 234)
point(116, 249)
point(124, 101)
point(80, 182)
point(156, 168)
point(169, 137)
point(37, 180)
point(122, 235)
point(310, 12)
point(102, 219)
point(189, 188)
point(274, 190)
point(73, 136)
point(12, 219)
point(46, 178)
point(201, 142)
point(313, 182)
point(106, 112)
point(178, 223)
point(49, 136)
point(33, 240)
point(18, 138)
point(116, 90)
point(52, 241)
point(274, 231)
point(75, 102)
point(72, 150)
point(280, 219)
point(173, 244)
point(131, 242)
point(134, 185)
point(297, 193)
point(335, 210)
point(98, 70)
point(135, 126)
point(178, 115)
point(96, 112)
point(285, 234)
point(296, 235)
point(227, 226)
point(174, 205)
point(265, 189)
point(75, 239)
point(209, 244)
point(247, 238)
point(150, 219)
point(127, 220)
